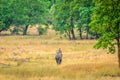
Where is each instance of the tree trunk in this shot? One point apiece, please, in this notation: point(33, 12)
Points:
point(80, 33)
point(68, 34)
point(25, 30)
point(87, 32)
point(73, 34)
point(118, 44)
point(119, 55)
point(72, 31)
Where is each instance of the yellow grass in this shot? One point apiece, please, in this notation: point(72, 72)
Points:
point(32, 58)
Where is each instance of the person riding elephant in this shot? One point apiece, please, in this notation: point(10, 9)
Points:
point(58, 56)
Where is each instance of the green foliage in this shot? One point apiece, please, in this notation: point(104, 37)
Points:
point(106, 41)
point(32, 12)
point(23, 12)
point(85, 10)
point(61, 17)
point(6, 14)
point(2, 25)
point(42, 30)
point(106, 21)
point(16, 30)
point(68, 13)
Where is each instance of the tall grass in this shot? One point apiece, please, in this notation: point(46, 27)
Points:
point(80, 60)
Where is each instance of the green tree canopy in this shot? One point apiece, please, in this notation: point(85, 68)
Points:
point(6, 14)
point(30, 12)
point(106, 21)
point(62, 18)
point(68, 13)
point(23, 12)
point(81, 10)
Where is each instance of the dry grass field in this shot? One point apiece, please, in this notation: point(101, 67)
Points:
point(33, 58)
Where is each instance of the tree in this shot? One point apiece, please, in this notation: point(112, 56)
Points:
point(63, 20)
point(30, 12)
point(82, 10)
point(23, 13)
point(106, 22)
point(79, 14)
point(5, 14)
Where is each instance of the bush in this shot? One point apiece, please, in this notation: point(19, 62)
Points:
point(16, 30)
point(42, 30)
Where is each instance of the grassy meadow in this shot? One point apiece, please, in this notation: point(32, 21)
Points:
point(33, 58)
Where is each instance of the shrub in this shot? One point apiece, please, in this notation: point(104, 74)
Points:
point(42, 30)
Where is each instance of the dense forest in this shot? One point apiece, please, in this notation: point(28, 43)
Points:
point(97, 18)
